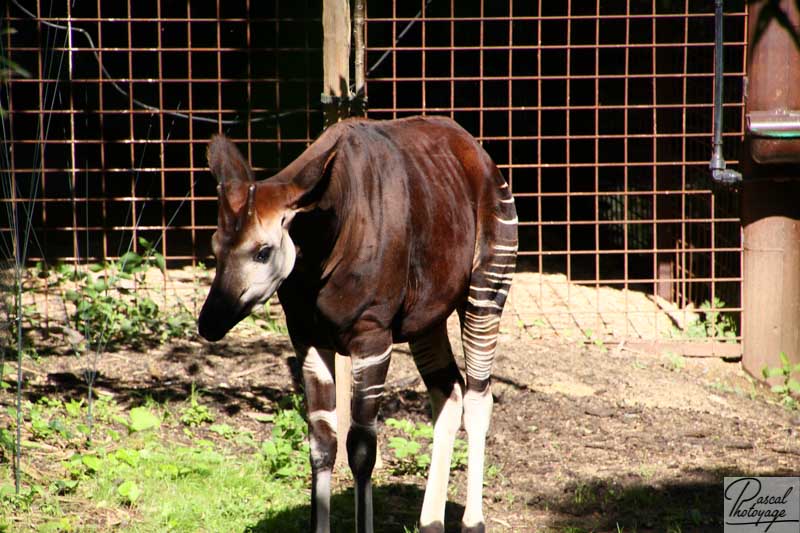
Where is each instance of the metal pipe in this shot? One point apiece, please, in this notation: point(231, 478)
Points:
point(717, 164)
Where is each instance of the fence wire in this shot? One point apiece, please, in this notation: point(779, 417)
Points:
point(598, 113)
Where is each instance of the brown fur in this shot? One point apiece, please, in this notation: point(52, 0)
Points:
point(395, 225)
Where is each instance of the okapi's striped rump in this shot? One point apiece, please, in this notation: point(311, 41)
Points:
point(490, 281)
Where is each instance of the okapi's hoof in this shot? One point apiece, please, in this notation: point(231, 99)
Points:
point(480, 527)
point(433, 527)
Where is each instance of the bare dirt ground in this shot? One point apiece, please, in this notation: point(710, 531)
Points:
point(584, 436)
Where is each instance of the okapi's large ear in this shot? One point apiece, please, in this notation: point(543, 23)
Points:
point(226, 162)
point(235, 177)
point(308, 175)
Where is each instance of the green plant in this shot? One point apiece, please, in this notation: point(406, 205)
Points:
point(140, 419)
point(719, 386)
point(675, 362)
point(711, 324)
point(285, 455)
point(16, 314)
point(789, 385)
point(460, 456)
point(237, 435)
point(594, 339)
point(411, 449)
point(113, 305)
point(195, 414)
point(202, 485)
point(261, 317)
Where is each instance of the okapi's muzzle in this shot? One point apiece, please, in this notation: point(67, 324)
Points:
point(219, 314)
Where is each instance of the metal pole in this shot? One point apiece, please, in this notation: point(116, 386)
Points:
point(717, 165)
point(770, 206)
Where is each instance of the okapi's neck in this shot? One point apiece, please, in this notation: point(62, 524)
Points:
point(317, 232)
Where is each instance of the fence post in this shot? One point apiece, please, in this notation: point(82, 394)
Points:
point(336, 60)
point(358, 104)
point(770, 206)
point(335, 103)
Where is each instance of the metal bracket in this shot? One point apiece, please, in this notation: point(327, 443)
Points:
point(779, 124)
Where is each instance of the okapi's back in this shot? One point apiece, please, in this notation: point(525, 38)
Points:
point(451, 192)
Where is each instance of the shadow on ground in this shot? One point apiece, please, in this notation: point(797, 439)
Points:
point(692, 501)
point(396, 505)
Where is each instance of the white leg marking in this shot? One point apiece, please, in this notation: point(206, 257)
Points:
point(477, 415)
point(504, 247)
point(315, 364)
point(362, 363)
point(508, 221)
point(474, 335)
point(473, 343)
point(481, 328)
point(372, 396)
point(322, 415)
point(479, 336)
point(487, 289)
point(482, 303)
point(444, 434)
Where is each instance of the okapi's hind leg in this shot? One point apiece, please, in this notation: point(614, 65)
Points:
point(434, 359)
point(480, 326)
point(479, 337)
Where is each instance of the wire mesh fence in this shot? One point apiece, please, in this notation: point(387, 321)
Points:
point(598, 114)
point(109, 132)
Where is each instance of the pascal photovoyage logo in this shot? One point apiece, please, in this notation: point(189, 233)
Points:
point(762, 504)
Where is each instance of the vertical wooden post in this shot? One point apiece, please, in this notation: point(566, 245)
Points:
point(770, 205)
point(344, 393)
point(358, 105)
point(335, 103)
point(336, 60)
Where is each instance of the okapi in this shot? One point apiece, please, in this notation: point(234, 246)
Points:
point(374, 236)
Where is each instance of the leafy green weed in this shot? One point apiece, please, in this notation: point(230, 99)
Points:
point(789, 386)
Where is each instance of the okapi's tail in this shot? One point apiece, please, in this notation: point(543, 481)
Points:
point(492, 269)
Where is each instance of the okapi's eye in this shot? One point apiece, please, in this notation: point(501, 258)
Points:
point(263, 254)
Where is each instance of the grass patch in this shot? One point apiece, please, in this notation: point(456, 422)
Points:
point(141, 472)
point(186, 488)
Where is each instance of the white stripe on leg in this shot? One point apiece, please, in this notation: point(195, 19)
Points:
point(477, 415)
point(315, 363)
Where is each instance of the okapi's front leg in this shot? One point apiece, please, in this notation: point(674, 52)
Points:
point(321, 405)
point(369, 376)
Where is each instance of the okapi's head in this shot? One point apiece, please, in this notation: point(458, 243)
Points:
point(252, 245)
